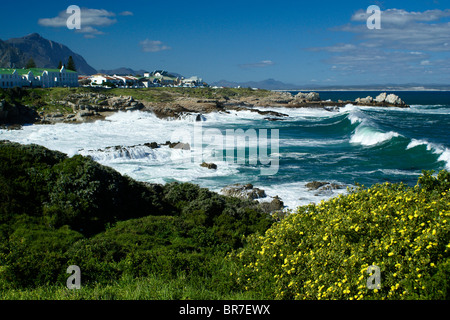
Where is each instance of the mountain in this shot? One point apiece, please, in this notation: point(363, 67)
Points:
point(45, 53)
point(122, 71)
point(10, 56)
point(269, 84)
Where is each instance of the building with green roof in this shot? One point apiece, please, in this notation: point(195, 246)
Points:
point(38, 77)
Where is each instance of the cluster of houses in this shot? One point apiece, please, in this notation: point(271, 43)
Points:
point(38, 77)
point(47, 78)
point(158, 78)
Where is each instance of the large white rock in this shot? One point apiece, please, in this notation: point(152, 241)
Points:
point(367, 99)
point(393, 99)
point(311, 96)
point(381, 97)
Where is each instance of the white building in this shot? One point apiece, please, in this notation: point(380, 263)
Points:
point(192, 82)
point(38, 77)
point(10, 78)
point(102, 79)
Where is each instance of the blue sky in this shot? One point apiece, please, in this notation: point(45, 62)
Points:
point(299, 42)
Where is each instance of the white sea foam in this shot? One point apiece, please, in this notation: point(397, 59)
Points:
point(297, 194)
point(443, 152)
point(310, 142)
point(303, 113)
point(367, 136)
point(367, 132)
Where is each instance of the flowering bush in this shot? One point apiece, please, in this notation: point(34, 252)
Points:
point(323, 251)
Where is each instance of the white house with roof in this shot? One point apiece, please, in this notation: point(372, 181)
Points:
point(192, 82)
point(10, 78)
point(128, 81)
point(102, 79)
point(38, 77)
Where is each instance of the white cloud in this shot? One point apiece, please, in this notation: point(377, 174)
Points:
point(402, 17)
point(153, 46)
point(126, 13)
point(409, 43)
point(404, 30)
point(261, 64)
point(91, 19)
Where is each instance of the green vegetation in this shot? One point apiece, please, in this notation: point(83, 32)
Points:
point(57, 211)
point(178, 241)
point(39, 96)
point(30, 64)
point(47, 99)
point(71, 64)
point(324, 251)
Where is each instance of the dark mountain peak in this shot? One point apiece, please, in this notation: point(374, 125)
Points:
point(46, 54)
point(33, 36)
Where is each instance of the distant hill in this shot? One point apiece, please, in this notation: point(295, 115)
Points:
point(15, 53)
point(122, 71)
point(269, 84)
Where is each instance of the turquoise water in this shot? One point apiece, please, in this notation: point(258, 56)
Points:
point(358, 144)
point(355, 144)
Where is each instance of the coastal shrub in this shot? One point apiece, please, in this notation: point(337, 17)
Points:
point(57, 211)
point(74, 191)
point(323, 251)
point(35, 254)
point(24, 174)
point(230, 218)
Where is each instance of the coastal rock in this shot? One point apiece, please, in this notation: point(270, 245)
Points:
point(275, 205)
point(393, 99)
point(311, 96)
point(314, 185)
point(3, 110)
point(152, 145)
point(178, 145)
point(381, 97)
point(367, 100)
point(323, 186)
point(209, 165)
point(16, 114)
point(243, 191)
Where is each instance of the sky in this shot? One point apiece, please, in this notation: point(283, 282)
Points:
point(297, 42)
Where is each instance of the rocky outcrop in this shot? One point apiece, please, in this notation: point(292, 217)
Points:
point(177, 145)
point(152, 145)
point(209, 165)
point(16, 114)
point(184, 105)
point(275, 205)
point(322, 186)
point(77, 107)
point(383, 99)
point(311, 96)
point(246, 191)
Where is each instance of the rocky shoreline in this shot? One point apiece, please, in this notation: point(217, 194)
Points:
point(92, 106)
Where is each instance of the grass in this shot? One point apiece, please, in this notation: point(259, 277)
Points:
point(44, 96)
point(152, 287)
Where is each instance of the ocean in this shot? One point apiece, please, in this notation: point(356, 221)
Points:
point(349, 146)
